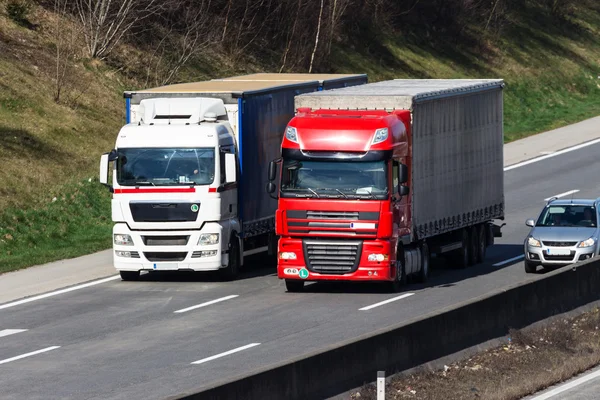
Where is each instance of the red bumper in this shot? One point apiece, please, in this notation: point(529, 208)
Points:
point(366, 271)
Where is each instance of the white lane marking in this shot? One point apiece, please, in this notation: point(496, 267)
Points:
point(563, 151)
point(567, 386)
point(501, 263)
point(226, 353)
point(33, 353)
point(563, 194)
point(208, 303)
point(547, 152)
point(405, 295)
point(43, 296)
point(8, 332)
point(256, 251)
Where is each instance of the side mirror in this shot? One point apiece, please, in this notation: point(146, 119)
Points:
point(271, 188)
point(230, 168)
point(530, 222)
point(272, 171)
point(104, 169)
point(403, 190)
point(402, 173)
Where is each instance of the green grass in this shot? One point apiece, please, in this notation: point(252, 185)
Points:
point(75, 222)
point(51, 149)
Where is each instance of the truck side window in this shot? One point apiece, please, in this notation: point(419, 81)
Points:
point(395, 175)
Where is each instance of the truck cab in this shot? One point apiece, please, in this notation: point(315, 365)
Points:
point(174, 185)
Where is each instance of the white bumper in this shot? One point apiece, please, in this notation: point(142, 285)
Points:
point(170, 251)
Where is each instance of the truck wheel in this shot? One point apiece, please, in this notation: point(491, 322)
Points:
point(530, 267)
point(425, 259)
point(293, 285)
point(129, 275)
point(460, 258)
point(230, 272)
point(396, 285)
point(474, 245)
point(482, 244)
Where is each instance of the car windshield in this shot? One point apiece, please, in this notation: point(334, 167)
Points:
point(165, 166)
point(568, 215)
point(341, 179)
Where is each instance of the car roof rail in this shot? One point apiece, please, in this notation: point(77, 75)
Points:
point(551, 199)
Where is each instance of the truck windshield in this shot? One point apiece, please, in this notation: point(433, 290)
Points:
point(165, 166)
point(568, 215)
point(349, 179)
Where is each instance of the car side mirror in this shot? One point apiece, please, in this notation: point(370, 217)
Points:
point(403, 190)
point(230, 168)
point(530, 222)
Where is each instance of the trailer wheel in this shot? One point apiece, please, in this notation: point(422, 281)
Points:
point(129, 275)
point(460, 258)
point(473, 245)
point(482, 244)
point(293, 285)
point(230, 272)
point(425, 259)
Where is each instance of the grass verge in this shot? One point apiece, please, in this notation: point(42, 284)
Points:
point(531, 360)
point(75, 221)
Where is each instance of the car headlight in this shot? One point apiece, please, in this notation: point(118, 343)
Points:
point(533, 242)
point(122, 239)
point(380, 135)
point(588, 242)
point(291, 134)
point(208, 238)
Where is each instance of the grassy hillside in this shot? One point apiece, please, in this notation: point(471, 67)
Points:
point(52, 205)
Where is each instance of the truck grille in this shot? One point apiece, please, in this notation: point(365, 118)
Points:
point(347, 215)
point(332, 257)
point(559, 244)
point(164, 212)
point(165, 240)
point(165, 256)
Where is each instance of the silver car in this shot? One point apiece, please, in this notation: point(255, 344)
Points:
point(565, 232)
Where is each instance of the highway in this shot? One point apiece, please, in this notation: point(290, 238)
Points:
point(173, 333)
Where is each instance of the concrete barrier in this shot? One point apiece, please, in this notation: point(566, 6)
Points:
point(353, 363)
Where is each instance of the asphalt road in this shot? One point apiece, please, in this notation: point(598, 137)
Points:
point(126, 340)
point(582, 387)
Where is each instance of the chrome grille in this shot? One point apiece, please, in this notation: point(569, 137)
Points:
point(332, 257)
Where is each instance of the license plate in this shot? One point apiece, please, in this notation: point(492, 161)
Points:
point(559, 252)
point(164, 266)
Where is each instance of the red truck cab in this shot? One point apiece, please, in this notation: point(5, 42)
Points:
point(343, 205)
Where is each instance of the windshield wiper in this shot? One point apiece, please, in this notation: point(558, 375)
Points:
point(342, 193)
point(144, 183)
point(315, 193)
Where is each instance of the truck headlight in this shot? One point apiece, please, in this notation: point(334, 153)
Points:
point(377, 257)
point(122, 239)
point(208, 238)
point(291, 134)
point(533, 242)
point(287, 255)
point(380, 135)
point(588, 242)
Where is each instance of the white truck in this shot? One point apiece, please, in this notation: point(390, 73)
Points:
point(189, 171)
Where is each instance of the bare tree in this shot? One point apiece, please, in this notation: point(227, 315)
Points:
point(312, 57)
point(65, 38)
point(105, 22)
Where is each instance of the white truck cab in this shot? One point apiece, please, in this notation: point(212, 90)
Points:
point(174, 189)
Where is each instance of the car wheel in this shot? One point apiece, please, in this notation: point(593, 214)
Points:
point(530, 267)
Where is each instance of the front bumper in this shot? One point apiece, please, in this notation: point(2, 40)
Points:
point(547, 255)
point(168, 257)
point(365, 271)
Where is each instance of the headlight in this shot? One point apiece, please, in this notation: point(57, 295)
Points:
point(587, 243)
point(287, 255)
point(291, 134)
point(533, 242)
point(208, 238)
point(377, 257)
point(122, 240)
point(380, 135)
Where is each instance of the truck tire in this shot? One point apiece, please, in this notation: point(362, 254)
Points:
point(474, 244)
point(294, 285)
point(482, 244)
point(230, 272)
point(530, 267)
point(423, 273)
point(129, 275)
point(396, 285)
point(460, 258)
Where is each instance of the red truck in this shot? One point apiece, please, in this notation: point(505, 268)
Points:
point(377, 178)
